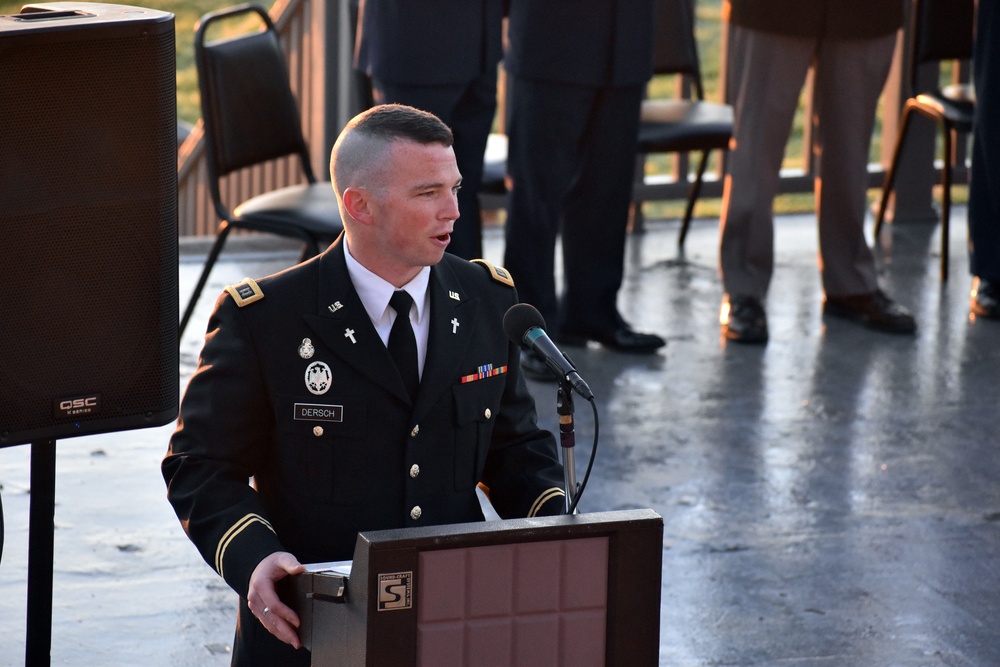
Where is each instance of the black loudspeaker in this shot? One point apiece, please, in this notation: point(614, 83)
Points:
point(88, 217)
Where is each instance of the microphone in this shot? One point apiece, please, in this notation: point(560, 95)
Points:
point(524, 326)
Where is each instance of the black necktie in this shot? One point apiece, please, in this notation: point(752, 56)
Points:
point(402, 343)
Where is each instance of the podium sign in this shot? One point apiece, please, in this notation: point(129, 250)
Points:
point(575, 590)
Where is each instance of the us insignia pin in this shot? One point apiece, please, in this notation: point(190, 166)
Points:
point(306, 349)
point(335, 306)
point(454, 295)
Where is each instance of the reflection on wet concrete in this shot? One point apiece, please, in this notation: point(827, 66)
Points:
point(829, 499)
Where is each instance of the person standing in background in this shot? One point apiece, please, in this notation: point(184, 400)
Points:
point(773, 43)
point(984, 181)
point(440, 56)
point(577, 72)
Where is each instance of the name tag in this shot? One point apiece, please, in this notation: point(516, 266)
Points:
point(317, 412)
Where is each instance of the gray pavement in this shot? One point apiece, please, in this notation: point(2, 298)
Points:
point(831, 498)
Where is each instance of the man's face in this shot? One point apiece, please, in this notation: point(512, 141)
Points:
point(416, 211)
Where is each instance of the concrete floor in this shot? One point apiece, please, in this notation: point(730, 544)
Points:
point(831, 498)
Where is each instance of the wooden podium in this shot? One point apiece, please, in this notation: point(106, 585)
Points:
point(569, 590)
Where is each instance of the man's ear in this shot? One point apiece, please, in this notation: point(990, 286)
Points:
point(359, 204)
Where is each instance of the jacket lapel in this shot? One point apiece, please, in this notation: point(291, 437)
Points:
point(453, 323)
point(342, 323)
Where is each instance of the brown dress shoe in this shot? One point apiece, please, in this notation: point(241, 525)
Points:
point(874, 310)
point(984, 298)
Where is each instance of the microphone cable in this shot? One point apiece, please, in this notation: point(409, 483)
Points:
point(590, 463)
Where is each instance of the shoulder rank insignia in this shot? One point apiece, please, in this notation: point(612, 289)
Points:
point(245, 293)
point(499, 273)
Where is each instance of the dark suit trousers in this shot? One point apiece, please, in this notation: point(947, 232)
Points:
point(468, 109)
point(254, 646)
point(984, 181)
point(571, 158)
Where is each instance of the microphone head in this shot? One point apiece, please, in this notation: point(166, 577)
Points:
point(519, 320)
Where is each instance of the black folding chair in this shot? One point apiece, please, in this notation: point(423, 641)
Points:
point(251, 117)
point(943, 31)
point(680, 125)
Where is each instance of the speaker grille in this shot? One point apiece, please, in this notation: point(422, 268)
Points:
point(89, 192)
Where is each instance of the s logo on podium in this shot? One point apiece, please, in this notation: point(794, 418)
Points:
point(395, 591)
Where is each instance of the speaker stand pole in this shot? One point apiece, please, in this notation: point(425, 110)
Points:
point(41, 529)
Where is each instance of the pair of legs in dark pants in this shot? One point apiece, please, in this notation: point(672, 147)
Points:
point(984, 183)
point(468, 109)
point(571, 160)
point(984, 179)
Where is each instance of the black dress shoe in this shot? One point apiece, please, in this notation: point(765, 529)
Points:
point(984, 298)
point(743, 319)
point(622, 339)
point(874, 310)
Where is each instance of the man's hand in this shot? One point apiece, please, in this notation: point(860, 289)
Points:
point(275, 615)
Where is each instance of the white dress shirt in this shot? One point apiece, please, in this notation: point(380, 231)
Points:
point(375, 293)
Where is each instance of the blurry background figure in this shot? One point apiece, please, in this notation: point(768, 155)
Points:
point(578, 70)
point(984, 181)
point(773, 44)
point(440, 56)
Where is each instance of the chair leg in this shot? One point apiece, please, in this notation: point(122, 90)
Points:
point(213, 255)
point(945, 198)
point(638, 219)
point(890, 177)
point(693, 194)
point(309, 250)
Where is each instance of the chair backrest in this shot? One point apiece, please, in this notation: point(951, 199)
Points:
point(943, 31)
point(675, 50)
point(248, 108)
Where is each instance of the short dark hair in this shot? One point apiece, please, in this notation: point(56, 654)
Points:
point(358, 154)
point(398, 121)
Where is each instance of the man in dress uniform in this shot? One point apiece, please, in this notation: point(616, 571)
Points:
point(300, 389)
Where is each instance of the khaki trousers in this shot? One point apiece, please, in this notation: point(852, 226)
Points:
point(766, 75)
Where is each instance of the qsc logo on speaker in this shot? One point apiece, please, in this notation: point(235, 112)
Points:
point(395, 591)
point(77, 405)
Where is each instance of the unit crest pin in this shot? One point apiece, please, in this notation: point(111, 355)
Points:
point(318, 377)
point(306, 349)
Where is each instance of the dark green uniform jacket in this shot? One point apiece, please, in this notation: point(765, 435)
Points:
point(295, 390)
